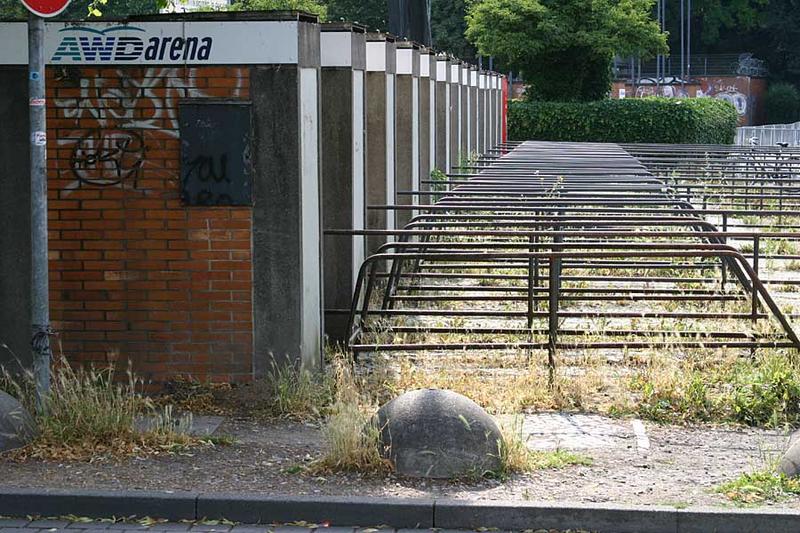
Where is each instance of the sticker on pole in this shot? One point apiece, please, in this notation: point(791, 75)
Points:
point(39, 138)
point(46, 8)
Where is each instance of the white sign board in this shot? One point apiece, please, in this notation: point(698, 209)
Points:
point(185, 6)
point(157, 43)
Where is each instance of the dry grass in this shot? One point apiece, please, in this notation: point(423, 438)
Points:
point(89, 414)
point(352, 437)
point(295, 392)
point(501, 382)
point(287, 392)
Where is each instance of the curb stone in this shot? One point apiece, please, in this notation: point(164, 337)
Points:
point(97, 504)
point(396, 513)
point(524, 515)
point(340, 511)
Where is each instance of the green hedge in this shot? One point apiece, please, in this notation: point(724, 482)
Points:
point(632, 120)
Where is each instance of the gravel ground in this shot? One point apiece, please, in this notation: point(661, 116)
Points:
point(681, 467)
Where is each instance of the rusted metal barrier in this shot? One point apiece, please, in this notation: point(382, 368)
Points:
point(566, 247)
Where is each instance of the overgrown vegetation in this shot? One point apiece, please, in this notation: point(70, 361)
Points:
point(764, 392)
point(288, 391)
point(309, 6)
point(760, 486)
point(89, 413)
point(438, 176)
point(633, 120)
point(352, 436)
point(295, 392)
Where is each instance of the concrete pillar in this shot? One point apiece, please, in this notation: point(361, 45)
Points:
point(475, 117)
point(442, 113)
point(343, 160)
point(407, 117)
point(427, 119)
point(464, 141)
point(15, 220)
point(287, 280)
point(501, 82)
point(380, 134)
point(492, 109)
point(483, 113)
point(455, 113)
point(498, 106)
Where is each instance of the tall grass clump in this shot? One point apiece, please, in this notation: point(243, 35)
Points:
point(89, 412)
point(296, 392)
point(352, 437)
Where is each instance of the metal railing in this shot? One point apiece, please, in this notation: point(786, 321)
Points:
point(743, 64)
point(769, 135)
point(567, 247)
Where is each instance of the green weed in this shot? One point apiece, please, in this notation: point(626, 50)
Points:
point(761, 486)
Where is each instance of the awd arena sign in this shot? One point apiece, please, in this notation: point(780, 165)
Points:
point(157, 43)
point(88, 45)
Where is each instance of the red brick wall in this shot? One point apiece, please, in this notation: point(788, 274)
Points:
point(135, 275)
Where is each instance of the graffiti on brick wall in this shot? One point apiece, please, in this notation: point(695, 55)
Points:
point(122, 117)
point(654, 89)
point(108, 157)
point(727, 90)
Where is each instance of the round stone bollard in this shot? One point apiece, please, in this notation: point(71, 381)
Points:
point(439, 434)
point(790, 462)
point(17, 427)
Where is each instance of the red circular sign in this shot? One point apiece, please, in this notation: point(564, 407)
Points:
point(46, 8)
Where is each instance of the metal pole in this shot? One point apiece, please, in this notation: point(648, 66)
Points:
point(683, 47)
point(658, 57)
point(40, 290)
point(689, 39)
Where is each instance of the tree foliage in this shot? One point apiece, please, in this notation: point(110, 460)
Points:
point(448, 25)
point(563, 48)
point(370, 13)
point(715, 17)
point(778, 40)
point(783, 104)
point(310, 6)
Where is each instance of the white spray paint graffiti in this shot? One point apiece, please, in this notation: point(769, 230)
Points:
point(127, 112)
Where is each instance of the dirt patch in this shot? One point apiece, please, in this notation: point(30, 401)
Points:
point(681, 467)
